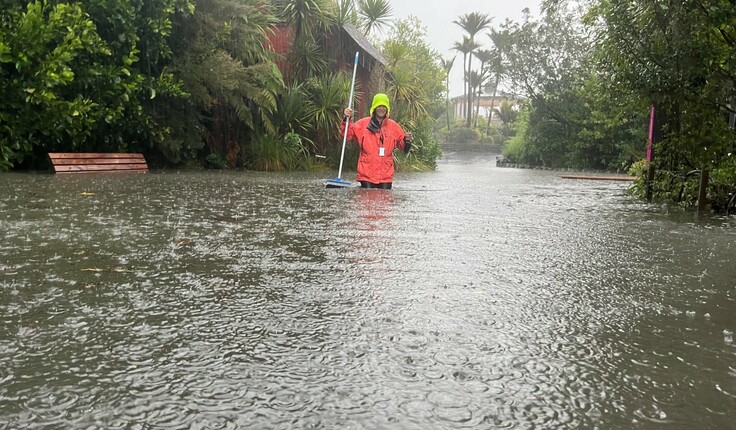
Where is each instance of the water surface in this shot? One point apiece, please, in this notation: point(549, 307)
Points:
point(471, 297)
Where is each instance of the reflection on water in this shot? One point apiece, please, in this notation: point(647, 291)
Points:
point(472, 297)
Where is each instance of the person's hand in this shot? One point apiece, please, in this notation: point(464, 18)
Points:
point(407, 136)
point(348, 112)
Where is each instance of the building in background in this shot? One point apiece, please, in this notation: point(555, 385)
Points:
point(484, 106)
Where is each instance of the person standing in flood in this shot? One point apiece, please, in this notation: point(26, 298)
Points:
point(377, 135)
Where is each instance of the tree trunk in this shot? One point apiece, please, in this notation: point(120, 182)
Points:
point(469, 110)
point(477, 108)
point(703, 190)
point(493, 101)
point(447, 102)
point(465, 82)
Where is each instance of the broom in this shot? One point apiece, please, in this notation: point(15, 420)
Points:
point(339, 182)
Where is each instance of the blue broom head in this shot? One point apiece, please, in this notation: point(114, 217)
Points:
point(337, 183)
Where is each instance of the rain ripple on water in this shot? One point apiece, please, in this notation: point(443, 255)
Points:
point(242, 300)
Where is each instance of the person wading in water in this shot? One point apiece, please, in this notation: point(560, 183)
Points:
point(378, 135)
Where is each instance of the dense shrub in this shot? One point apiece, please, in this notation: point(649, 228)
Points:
point(462, 135)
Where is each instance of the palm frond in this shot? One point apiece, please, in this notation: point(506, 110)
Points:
point(473, 22)
point(374, 14)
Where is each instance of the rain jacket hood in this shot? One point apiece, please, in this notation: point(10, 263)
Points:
point(380, 99)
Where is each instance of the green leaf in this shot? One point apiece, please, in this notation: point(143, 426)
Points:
point(5, 51)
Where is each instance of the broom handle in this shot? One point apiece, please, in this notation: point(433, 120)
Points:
point(347, 123)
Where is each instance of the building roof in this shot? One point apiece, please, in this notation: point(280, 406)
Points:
point(363, 42)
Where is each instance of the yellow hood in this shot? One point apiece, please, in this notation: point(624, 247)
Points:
point(380, 99)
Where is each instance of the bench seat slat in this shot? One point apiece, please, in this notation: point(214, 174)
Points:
point(100, 168)
point(91, 161)
point(95, 162)
point(61, 155)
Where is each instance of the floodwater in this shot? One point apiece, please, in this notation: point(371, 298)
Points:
point(472, 297)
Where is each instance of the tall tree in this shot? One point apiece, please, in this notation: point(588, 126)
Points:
point(485, 56)
point(679, 57)
point(548, 60)
point(466, 47)
point(415, 86)
point(447, 67)
point(472, 23)
point(476, 80)
point(495, 69)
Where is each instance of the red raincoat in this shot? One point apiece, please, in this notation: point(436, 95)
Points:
point(375, 165)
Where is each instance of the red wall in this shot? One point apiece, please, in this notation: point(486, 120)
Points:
point(280, 43)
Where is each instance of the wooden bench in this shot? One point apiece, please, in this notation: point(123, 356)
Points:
point(97, 162)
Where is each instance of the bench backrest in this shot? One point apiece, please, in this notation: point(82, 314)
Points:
point(95, 162)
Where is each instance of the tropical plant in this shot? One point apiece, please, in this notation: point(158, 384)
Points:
point(679, 57)
point(294, 112)
point(346, 13)
point(308, 59)
point(486, 58)
point(328, 94)
point(415, 86)
point(275, 154)
point(310, 21)
point(507, 115)
point(307, 18)
point(219, 55)
point(374, 14)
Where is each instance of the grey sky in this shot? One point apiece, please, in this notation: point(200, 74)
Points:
point(437, 16)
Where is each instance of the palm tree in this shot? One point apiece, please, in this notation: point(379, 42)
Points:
point(475, 80)
point(328, 95)
point(395, 53)
point(495, 68)
point(345, 13)
point(374, 14)
point(404, 87)
point(507, 115)
point(294, 112)
point(306, 17)
point(406, 93)
point(466, 47)
point(485, 56)
point(308, 59)
point(308, 21)
point(447, 66)
point(472, 23)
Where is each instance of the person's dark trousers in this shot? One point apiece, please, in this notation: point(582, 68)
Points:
point(382, 185)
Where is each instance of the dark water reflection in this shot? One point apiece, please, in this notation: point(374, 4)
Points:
point(473, 297)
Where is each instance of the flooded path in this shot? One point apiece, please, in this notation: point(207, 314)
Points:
point(471, 297)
